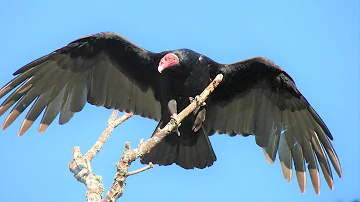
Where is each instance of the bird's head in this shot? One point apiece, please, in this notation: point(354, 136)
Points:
point(168, 61)
point(179, 60)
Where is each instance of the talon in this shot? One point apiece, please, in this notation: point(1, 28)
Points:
point(177, 131)
point(197, 98)
point(174, 116)
point(175, 119)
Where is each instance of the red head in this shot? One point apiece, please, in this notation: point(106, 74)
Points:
point(168, 60)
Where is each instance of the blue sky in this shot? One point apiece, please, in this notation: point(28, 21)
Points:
point(316, 42)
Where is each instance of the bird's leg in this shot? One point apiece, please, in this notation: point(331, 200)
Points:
point(172, 106)
point(200, 118)
point(200, 113)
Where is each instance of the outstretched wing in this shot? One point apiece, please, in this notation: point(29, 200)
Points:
point(103, 69)
point(258, 97)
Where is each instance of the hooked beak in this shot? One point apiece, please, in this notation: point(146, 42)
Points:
point(162, 66)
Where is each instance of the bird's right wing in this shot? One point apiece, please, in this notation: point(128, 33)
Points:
point(257, 97)
point(103, 69)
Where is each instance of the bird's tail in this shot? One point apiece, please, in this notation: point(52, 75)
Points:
point(189, 150)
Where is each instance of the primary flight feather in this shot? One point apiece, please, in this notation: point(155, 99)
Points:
point(256, 97)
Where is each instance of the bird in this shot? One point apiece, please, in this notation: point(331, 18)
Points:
point(255, 98)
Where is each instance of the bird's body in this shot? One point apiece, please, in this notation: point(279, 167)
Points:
point(188, 148)
point(256, 97)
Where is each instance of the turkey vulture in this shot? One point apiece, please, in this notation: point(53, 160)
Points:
point(256, 97)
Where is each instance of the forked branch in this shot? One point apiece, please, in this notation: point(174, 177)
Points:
point(80, 165)
point(129, 156)
point(81, 168)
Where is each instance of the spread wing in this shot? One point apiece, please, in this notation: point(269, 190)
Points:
point(103, 69)
point(257, 97)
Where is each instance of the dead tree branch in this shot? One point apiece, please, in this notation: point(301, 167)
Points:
point(129, 155)
point(81, 167)
point(112, 124)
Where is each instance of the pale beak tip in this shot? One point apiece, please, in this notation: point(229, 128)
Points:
point(160, 68)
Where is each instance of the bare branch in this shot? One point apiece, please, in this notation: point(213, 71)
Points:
point(141, 169)
point(94, 185)
point(129, 156)
point(112, 124)
point(81, 166)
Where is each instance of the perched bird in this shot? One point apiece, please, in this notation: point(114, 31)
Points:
point(256, 97)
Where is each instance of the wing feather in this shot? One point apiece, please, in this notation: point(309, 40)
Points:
point(285, 158)
point(65, 113)
point(35, 111)
point(299, 164)
point(324, 164)
point(79, 94)
point(15, 96)
point(52, 110)
point(263, 122)
point(309, 156)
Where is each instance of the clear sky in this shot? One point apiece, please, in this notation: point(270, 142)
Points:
point(316, 42)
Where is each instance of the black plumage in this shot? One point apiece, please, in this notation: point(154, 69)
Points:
point(256, 98)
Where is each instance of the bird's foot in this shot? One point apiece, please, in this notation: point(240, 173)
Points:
point(174, 119)
point(197, 100)
point(176, 130)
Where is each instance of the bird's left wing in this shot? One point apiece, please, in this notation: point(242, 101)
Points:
point(103, 69)
point(257, 97)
